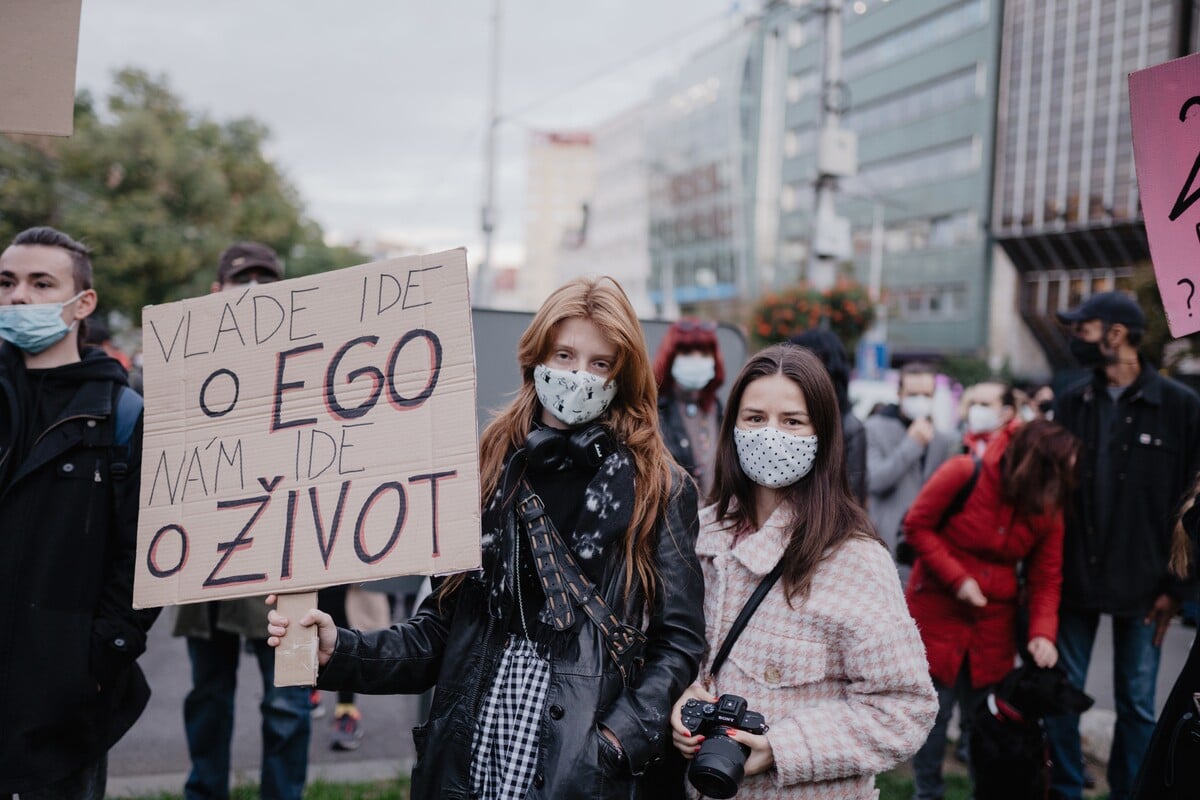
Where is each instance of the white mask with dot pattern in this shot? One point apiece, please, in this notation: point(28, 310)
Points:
point(772, 458)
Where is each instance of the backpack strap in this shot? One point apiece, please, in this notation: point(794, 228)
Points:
point(960, 497)
point(905, 555)
point(129, 408)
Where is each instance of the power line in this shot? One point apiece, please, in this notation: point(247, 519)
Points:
point(615, 66)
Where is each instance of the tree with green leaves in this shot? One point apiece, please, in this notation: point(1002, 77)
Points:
point(157, 191)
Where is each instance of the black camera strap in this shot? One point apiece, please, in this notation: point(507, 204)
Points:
point(748, 610)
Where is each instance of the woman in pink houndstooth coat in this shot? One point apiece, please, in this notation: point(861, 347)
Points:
point(831, 657)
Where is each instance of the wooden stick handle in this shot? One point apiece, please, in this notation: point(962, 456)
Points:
point(296, 656)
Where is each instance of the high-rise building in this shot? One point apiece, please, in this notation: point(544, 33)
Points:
point(918, 90)
point(614, 237)
point(1066, 213)
point(702, 162)
point(562, 175)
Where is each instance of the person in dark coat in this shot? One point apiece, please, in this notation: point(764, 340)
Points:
point(1141, 439)
point(689, 370)
point(533, 702)
point(828, 347)
point(69, 486)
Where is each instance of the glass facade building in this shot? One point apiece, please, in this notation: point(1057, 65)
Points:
point(919, 92)
point(1066, 209)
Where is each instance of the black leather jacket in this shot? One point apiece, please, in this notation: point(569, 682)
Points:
point(457, 647)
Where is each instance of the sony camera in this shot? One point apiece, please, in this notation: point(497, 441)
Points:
point(719, 767)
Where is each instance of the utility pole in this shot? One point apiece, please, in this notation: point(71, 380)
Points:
point(487, 219)
point(836, 157)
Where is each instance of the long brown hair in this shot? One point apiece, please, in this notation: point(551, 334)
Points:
point(825, 512)
point(1037, 472)
point(1181, 542)
point(632, 418)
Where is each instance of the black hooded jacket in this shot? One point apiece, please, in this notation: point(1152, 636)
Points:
point(69, 636)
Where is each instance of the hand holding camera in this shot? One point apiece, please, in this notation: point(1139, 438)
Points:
point(733, 743)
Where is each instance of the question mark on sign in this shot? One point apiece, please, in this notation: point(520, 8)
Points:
point(1191, 292)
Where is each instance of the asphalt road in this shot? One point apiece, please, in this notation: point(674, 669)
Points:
point(153, 755)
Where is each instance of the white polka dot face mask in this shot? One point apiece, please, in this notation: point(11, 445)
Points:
point(574, 396)
point(772, 458)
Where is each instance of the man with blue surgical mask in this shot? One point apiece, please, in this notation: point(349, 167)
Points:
point(70, 466)
point(903, 450)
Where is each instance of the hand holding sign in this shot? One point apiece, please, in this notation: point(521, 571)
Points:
point(310, 432)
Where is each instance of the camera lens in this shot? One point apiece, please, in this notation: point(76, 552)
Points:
point(719, 767)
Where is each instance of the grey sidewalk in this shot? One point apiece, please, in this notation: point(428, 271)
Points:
point(153, 756)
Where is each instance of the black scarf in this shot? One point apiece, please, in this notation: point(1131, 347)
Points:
point(604, 518)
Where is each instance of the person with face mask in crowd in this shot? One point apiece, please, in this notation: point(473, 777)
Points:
point(689, 371)
point(70, 471)
point(826, 346)
point(964, 588)
point(990, 406)
point(556, 664)
point(903, 450)
point(830, 657)
point(1141, 450)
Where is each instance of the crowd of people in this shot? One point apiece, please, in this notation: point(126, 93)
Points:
point(679, 595)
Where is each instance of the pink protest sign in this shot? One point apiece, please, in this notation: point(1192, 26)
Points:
point(1165, 108)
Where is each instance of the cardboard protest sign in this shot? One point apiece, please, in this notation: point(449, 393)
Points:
point(39, 41)
point(308, 433)
point(1165, 108)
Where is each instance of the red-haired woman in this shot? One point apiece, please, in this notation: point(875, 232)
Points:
point(963, 587)
point(533, 701)
point(689, 371)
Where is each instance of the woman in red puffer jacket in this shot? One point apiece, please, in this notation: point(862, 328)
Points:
point(964, 587)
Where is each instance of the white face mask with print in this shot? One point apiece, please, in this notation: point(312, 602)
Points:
point(574, 397)
point(772, 458)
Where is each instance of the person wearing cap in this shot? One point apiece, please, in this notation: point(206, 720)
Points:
point(247, 263)
point(1141, 435)
point(216, 632)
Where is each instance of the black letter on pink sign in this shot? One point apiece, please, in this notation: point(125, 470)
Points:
point(240, 542)
point(360, 546)
point(433, 478)
point(281, 387)
point(1184, 201)
point(152, 560)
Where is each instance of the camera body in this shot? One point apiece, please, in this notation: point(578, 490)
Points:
point(719, 767)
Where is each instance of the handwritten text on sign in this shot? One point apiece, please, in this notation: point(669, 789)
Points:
point(308, 433)
point(1165, 107)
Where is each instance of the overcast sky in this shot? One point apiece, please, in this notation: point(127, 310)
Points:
point(377, 107)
